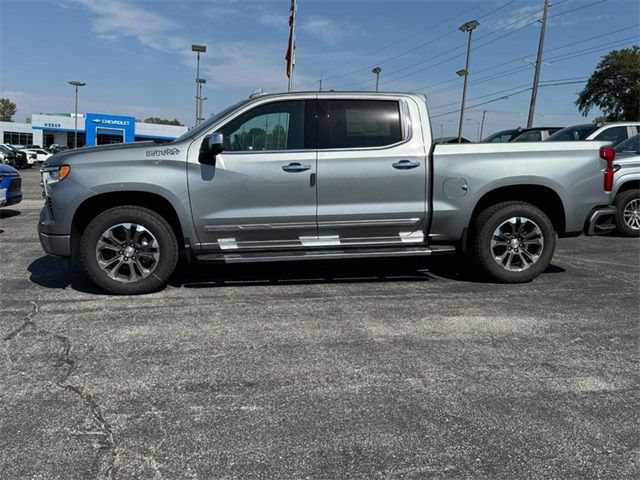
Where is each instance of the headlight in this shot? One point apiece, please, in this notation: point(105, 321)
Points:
point(55, 174)
point(52, 175)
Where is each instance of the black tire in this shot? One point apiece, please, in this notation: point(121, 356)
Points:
point(154, 224)
point(540, 254)
point(625, 200)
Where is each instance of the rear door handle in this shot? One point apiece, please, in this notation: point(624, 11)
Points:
point(406, 165)
point(296, 167)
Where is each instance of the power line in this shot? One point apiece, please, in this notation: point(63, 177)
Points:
point(556, 59)
point(518, 59)
point(505, 97)
point(431, 27)
point(390, 80)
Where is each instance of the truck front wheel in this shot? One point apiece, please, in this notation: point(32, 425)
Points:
point(514, 242)
point(129, 250)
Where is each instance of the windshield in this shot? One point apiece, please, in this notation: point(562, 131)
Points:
point(194, 132)
point(630, 145)
point(572, 134)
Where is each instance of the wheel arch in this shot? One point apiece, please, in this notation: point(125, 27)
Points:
point(545, 198)
point(629, 185)
point(101, 202)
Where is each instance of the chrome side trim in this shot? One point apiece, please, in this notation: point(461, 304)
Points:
point(322, 241)
point(257, 226)
point(370, 223)
point(412, 237)
point(227, 244)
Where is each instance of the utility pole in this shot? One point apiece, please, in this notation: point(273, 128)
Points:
point(536, 76)
point(320, 89)
point(484, 114)
point(467, 27)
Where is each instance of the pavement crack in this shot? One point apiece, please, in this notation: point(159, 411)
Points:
point(27, 323)
point(87, 398)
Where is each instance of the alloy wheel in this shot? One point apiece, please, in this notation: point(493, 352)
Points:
point(127, 252)
point(517, 244)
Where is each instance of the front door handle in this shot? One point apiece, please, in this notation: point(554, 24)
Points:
point(406, 165)
point(296, 167)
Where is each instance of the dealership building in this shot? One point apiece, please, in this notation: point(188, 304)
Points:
point(45, 129)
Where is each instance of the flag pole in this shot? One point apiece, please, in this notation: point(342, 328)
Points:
point(292, 46)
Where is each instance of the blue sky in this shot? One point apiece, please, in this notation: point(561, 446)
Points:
point(135, 56)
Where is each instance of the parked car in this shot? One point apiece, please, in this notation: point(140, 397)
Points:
point(36, 155)
point(534, 134)
point(626, 188)
point(615, 132)
point(13, 157)
point(10, 186)
point(318, 175)
point(55, 148)
point(537, 134)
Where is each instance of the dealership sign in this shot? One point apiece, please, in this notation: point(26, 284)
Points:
point(113, 125)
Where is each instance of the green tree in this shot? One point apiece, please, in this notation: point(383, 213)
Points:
point(7, 110)
point(614, 86)
point(163, 121)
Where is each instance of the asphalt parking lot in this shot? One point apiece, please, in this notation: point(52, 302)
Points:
point(351, 369)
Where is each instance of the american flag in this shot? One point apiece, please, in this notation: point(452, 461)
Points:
point(290, 56)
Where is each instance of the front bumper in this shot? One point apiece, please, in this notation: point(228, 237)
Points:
point(59, 245)
point(53, 244)
point(601, 221)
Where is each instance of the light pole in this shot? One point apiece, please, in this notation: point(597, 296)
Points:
point(199, 117)
point(467, 27)
point(76, 84)
point(198, 49)
point(377, 71)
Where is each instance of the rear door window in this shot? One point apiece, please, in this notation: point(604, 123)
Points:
point(359, 123)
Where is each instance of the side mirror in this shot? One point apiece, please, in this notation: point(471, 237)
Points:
point(211, 146)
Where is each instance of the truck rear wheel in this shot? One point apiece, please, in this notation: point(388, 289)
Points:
point(129, 250)
point(514, 242)
point(628, 213)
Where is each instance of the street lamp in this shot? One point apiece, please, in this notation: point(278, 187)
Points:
point(198, 49)
point(76, 84)
point(466, 27)
point(377, 71)
point(199, 117)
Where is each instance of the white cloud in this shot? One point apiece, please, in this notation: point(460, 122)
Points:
point(517, 19)
point(115, 19)
point(325, 29)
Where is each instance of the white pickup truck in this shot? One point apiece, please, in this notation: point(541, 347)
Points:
point(319, 175)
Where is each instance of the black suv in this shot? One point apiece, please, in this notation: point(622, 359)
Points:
point(13, 157)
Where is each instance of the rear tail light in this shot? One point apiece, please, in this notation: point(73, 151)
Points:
point(608, 154)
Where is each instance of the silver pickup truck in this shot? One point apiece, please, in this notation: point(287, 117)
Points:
point(307, 176)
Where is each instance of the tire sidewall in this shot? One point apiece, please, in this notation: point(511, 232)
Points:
point(484, 255)
point(621, 202)
point(149, 220)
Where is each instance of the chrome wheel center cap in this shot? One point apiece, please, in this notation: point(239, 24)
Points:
point(129, 251)
point(515, 243)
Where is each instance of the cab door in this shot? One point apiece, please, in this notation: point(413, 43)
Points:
point(372, 172)
point(261, 193)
